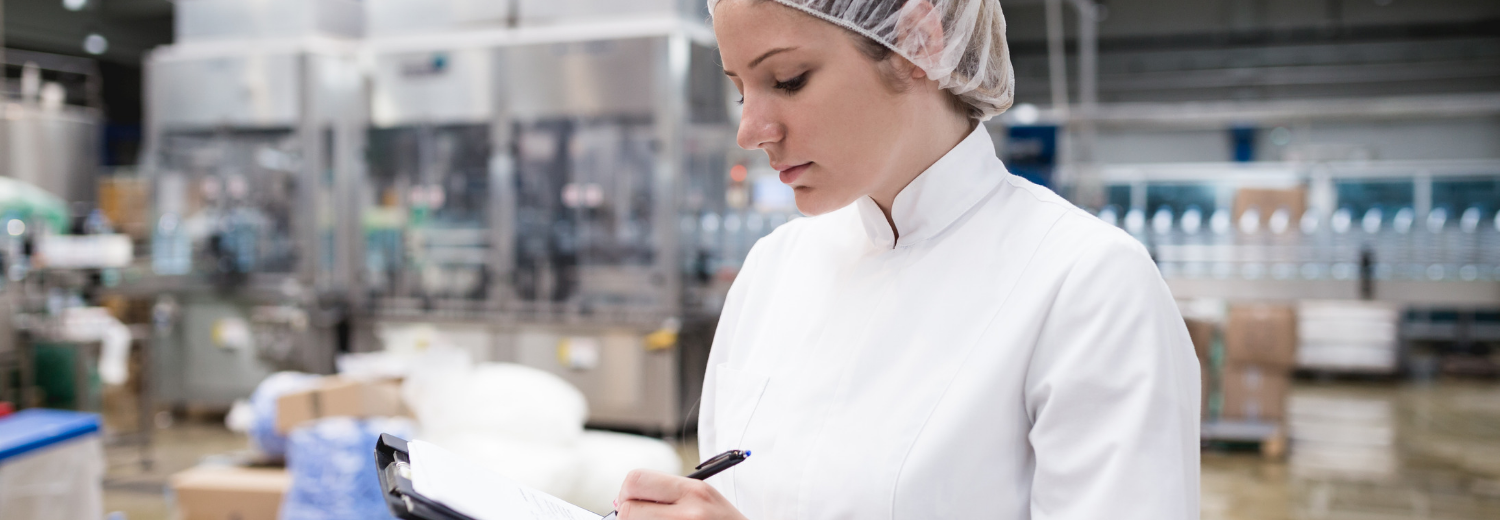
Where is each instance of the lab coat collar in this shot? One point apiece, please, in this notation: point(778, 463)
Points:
point(939, 196)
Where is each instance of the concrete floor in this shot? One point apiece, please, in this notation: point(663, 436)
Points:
point(1396, 451)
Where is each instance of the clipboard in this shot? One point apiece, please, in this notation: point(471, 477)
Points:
point(393, 464)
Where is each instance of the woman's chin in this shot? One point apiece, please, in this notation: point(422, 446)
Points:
point(812, 203)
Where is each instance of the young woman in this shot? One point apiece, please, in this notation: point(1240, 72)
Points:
point(940, 339)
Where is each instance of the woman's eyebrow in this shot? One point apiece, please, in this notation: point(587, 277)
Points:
point(762, 57)
point(768, 54)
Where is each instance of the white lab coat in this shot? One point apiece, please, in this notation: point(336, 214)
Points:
point(1010, 357)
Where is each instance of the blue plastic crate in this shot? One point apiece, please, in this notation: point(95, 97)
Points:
point(30, 430)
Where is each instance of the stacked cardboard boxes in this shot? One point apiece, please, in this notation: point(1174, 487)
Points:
point(1202, 332)
point(1266, 202)
point(241, 493)
point(1260, 351)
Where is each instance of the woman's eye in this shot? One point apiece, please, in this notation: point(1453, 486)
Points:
point(792, 85)
point(741, 101)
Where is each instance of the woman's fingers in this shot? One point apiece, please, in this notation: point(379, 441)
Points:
point(650, 486)
point(648, 495)
point(644, 510)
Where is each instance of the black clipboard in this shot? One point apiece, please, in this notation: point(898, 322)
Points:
point(393, 464)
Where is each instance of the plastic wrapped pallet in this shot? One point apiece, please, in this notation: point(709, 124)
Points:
point(263, 435)
point(501, 400)
point(1346, 437)
point(333, 469)
point(607, 457)
point(1348, 336)
point(519, 421)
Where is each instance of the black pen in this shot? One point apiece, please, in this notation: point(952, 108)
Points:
point(707, 469)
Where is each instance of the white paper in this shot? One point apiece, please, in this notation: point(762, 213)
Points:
point(440, 475)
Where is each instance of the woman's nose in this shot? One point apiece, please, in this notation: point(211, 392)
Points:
point(758, 128)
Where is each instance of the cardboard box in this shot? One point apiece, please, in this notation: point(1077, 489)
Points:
point(1267, 201)
point(1255, 392)
point(1202, 333)
point(1261, 335)
point(338, 397)
point(126, 201)
point(1205, 371)
point(229, 493)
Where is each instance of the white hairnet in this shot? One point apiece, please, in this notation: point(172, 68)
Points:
point(968, 56)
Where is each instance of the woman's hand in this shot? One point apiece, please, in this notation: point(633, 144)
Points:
point(648, 495)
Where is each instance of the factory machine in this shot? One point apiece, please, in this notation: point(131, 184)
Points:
point(557, 192)
point(49, 141)
point(253, 129)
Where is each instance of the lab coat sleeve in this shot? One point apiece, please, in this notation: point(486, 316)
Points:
point(1112, 391)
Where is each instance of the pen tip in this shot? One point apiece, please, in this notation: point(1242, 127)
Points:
point(747, 453)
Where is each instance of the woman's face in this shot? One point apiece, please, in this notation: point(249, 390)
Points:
point(822, 111)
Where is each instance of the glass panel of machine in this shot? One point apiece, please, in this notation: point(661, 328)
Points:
point(1458, 196)
point(584, 226)
point(236, 210)
point(1361, 196)
point(426, 229)
point(1177, 198)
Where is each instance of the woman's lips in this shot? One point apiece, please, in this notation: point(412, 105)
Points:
point(790, 175)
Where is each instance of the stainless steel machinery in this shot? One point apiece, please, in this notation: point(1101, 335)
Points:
point(539, 191)
point(49, 130)
point(49, 138)
point(252, 146)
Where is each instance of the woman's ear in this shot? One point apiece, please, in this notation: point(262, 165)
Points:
point(919, 34)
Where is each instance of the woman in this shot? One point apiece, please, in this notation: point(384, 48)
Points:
point(941, 339)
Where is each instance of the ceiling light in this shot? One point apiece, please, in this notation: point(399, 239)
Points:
point(95, 44)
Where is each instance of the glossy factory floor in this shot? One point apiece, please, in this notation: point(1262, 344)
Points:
point(1360, 451)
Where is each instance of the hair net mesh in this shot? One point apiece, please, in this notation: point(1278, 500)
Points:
point(968, 56)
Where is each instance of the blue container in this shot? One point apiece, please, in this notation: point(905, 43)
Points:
point(332, 463)
point(31, 430)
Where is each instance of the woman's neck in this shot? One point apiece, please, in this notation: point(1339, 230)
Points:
point(928, 146)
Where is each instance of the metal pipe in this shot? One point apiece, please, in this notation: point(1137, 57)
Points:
point(1088, 191)
point(1088, 53)
point(2, 32)
point(1057, 65)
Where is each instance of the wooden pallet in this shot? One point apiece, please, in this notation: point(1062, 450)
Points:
point(1271, 437)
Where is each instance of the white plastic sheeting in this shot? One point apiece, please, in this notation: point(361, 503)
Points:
point(525, 424)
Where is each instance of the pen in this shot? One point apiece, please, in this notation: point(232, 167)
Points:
point(706, 469)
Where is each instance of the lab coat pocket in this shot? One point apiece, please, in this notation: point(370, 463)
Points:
point(737, 393)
